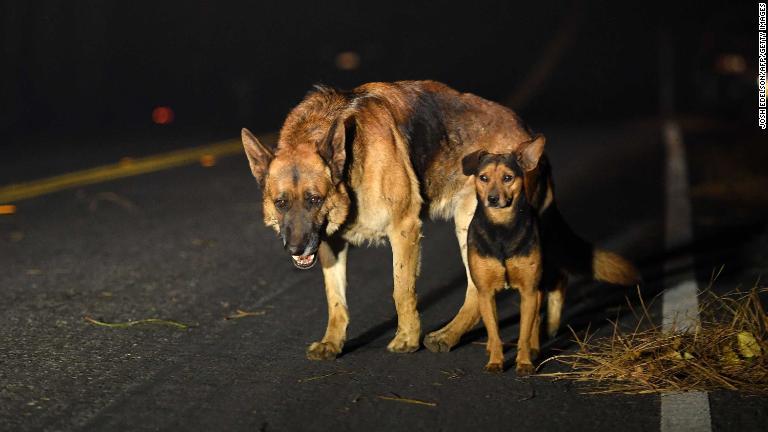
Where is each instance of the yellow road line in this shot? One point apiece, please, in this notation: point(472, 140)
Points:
point(125, 168)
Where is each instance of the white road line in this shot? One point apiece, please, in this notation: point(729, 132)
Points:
point(680, 305)
point(685, 412)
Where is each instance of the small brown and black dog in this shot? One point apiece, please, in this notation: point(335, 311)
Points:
point(504, 246)
point(517, 238)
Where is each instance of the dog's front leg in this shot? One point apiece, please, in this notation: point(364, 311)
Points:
point(488, 275)
point(333, 258)
point(525, 273)
point(405, 238)
point(529, 303)
point(487, 306)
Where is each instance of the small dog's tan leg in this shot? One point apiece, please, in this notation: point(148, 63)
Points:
point(444, 339)
point(487, 306)
point(488, 275)
point(527, 311)
point(535, 338)
point(525, 273)
point(405, 238)
point(333, 258)
point(555, 301)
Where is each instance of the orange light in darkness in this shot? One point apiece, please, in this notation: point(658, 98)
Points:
point(162, 115)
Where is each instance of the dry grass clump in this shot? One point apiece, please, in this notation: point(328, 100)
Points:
point(728, 350)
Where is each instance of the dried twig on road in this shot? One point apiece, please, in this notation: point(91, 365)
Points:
point(239, 313)
point(319, 377)
point(505, 344)
point(114, 198)
point(155, 321)
point(398, 398)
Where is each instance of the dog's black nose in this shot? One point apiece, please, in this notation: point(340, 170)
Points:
point(493, 200)
point(295, 249)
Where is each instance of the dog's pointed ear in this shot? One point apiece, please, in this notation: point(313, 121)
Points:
point(259, 156)
point(530, 152)
point(333, 150)
point(471, 162)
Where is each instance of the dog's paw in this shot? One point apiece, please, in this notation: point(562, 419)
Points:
point(494, 367)
point(403, 343)
point(322, 351)
point(437, 342)
point(524, 369)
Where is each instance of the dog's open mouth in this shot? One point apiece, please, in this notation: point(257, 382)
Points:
point(304, 262)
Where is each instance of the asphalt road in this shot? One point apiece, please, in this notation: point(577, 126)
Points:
point(188, 244)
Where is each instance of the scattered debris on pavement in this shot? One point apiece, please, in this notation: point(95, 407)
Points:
point(728, 350)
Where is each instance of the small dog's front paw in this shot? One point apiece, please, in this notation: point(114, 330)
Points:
point(322, 351)
point(524, 369)
point(494, 367)
point(437, 342)
point(404, 343)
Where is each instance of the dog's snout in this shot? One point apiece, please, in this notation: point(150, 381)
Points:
point(293, 241)
point(493, 200)
point(299, 241)
point(296, 245)
point(295, 249)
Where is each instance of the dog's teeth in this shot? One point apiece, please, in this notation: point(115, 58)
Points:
point(303, 260)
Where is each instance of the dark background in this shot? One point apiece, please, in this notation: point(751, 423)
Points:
point(88, 66)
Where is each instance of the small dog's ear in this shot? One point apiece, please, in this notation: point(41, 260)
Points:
point(530, 152)
point(333, 150)
point(471, 162)
point(259, 156)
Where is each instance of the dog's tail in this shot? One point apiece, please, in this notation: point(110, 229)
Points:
point(612, 268)
point(581, 257)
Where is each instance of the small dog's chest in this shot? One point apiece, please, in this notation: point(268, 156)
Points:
point(518, 238)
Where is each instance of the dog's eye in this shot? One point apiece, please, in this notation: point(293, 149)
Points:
point(281, 203)
point(315, 200)
point(484, 178)
point(507, 178)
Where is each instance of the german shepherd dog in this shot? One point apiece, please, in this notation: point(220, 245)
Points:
point(358, 167)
